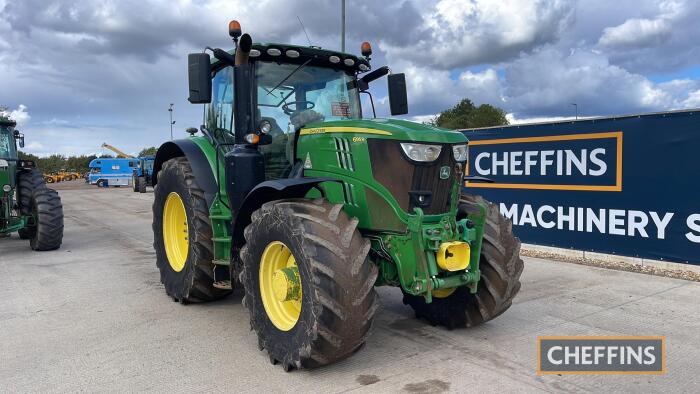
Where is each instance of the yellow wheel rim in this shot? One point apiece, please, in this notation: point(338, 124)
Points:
point(444, 293)
point(280, 285)
point(175, 232)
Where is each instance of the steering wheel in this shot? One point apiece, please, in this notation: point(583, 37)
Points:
point(307, 105)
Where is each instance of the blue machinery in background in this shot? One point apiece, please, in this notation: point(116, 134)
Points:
point(112, 172)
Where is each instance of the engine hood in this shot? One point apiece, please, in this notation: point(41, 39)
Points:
point(387, 129)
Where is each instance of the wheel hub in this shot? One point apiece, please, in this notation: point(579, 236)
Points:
point(175, 232)
point(286, 284)
point(280, 285)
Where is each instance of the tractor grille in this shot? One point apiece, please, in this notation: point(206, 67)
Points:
point(408, 181)
point(344, 154)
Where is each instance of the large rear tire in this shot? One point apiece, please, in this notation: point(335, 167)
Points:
point(27, 183)
point(47, 234)
point(135, 183)
point(335, 301)
point(500, 267)
point(182, 235)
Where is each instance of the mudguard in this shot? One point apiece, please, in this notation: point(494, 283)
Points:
point(269, 191)
point(198, 161)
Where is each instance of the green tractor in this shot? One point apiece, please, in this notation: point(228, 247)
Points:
point(292, 196)
point(27, 206)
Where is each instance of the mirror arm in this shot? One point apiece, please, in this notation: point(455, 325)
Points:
point(376, 74)
point(371, 100)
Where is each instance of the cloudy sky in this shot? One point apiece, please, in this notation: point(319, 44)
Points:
point(79, 73)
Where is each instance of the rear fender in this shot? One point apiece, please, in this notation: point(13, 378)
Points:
point(197, 159)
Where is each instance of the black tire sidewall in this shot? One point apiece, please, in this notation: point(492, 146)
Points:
point(280, 343)
point(175, 282)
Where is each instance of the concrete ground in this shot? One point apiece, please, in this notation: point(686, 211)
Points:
point(93, 316)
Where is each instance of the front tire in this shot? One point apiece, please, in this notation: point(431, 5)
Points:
point(182, 235)
point(500, 267)
point(334, 293)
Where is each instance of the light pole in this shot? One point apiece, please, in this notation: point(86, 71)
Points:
point(342, 26)
point(576, 108)
point(172, 122)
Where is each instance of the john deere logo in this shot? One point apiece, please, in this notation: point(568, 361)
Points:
point(444, 172)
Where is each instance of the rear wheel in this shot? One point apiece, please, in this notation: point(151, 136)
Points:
point(134, 183)
point(47, 231)
point(309, 286)
point(27, 183)
point(182, 235)
point(500, 267)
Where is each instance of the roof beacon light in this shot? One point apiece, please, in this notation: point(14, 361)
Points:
point(234, 29)
point(366, 49)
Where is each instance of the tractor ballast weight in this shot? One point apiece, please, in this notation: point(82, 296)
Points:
point(306, 206)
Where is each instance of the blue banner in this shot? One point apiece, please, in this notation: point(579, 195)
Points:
point(624, 185)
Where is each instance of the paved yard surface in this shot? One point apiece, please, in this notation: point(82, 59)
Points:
point(93, 316)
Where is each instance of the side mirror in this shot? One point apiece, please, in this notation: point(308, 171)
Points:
point(20, 138)
point(199, 73)
point(398, 100)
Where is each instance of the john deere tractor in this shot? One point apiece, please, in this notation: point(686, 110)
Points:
point(27, 206)
point(287, 193)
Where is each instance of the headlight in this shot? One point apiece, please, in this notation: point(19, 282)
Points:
point(421, 152)
point(6, 188)
point(461, 152)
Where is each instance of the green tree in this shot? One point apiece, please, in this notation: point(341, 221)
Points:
point(148, 151)
point(466, 115)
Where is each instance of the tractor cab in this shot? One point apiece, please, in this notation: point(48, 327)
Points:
point(8, 153)
point(8, 135)
point(263, 94)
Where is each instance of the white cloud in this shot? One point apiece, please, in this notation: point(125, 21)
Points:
point(461, 33)
point(19, 115)
point(636, 33)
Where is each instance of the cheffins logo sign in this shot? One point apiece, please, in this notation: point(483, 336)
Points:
point(576, 185)
point(590, 162)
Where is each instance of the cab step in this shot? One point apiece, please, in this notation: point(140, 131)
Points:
point(223, 285)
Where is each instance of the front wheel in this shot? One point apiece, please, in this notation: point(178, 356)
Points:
point(500, 265)
point(141, 184)
point(182, 235)
point(309, 286)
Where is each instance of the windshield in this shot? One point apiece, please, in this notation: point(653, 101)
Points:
point(7, 143)
point(290, 96)
point(307, 94)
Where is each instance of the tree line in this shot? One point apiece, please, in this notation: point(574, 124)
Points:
point(56, 162)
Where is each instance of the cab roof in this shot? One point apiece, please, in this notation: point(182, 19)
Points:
point(319, 57)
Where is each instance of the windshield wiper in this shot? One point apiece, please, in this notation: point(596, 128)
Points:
point(289, 76)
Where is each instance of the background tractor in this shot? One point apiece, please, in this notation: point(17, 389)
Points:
point(143, 174)
point(292, 196)
point(27, 206)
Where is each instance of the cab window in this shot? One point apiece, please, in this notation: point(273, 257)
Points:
point(219, 113)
